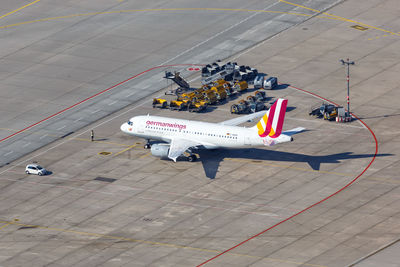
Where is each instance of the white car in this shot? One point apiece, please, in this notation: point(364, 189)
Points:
point(35, 169)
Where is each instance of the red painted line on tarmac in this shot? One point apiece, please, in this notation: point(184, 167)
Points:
point(315, 204)
point(93, 96)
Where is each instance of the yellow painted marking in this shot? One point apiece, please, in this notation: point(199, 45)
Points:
point(340, 18)
point(148, 10)
point(153, 243)
point(4, 226)
point(126, 149)
point(378, 37)
point(144, 156)
point(324, 16)
point(8, 129)
point(105, 153)
point(18, 9)
point(358, 27)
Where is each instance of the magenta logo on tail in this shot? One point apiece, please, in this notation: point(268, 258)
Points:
point(272, 122)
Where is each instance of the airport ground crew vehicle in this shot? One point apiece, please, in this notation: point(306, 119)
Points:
point(177, 105)
point(179, 80)
point(230, 71)
point(270, 83)
point(198, 106)
point(192, 96)
point(240, 86)
point(330, 112)
point(326, 111)
point(227, 86)
point(256, 106)
point(240, 108)
point(259, 81)
point(219, 92)
point(251, 99)
point(210, 97)
point(160, 103)
point(249, 106)
point(260, 95)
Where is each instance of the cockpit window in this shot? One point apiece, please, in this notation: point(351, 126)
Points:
point(130, 123)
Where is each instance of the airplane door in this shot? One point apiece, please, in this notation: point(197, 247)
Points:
point(140, 127)
point(247, 140)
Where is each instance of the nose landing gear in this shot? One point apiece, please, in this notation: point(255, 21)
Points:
point(147, 145)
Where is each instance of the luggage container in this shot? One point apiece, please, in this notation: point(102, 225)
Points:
point(259, 81)
point(270, 83)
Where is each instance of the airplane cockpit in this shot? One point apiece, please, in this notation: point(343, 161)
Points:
point(127, 127)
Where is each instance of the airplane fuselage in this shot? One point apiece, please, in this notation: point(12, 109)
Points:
point(211, 135)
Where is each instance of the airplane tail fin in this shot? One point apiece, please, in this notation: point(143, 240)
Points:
point(272, 122)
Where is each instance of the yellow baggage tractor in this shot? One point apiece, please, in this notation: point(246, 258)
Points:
point(177, 105)
point(160, 103)
point(219, 92)
point(210, 97)
point(198, 106)
point(240, 86)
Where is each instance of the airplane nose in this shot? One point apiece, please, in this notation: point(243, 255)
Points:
point(124, 128)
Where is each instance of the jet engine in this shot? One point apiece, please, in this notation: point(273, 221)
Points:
point(160, 150)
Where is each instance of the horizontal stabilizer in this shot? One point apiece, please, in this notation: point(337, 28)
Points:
point(294, 131)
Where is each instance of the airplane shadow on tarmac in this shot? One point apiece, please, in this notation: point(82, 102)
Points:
point(211, 159)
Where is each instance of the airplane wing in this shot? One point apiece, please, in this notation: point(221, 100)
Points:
point(242, 119)
point(179, 146)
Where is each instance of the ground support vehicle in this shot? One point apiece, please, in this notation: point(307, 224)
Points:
point(182, 83)
point(260, 95)
point(198, 106)
point(256, 106)
point(330, 112)
point(220, 92)
point(177, 78)
point(230, 71)
point(160, 103)
point(240, 86)
point(251, 99)
point(343, 116)
point(258, 81)
point(177, 105)
point(210, 97)
point(270, 83)
point(240, 108)
point(326, 111)
point(227, 87)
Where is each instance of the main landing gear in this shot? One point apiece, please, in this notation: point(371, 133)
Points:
point(190, 156)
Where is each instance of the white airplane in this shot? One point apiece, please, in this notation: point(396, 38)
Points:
point(181, 136)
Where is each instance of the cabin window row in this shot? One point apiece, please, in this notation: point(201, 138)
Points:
point(198, 133)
